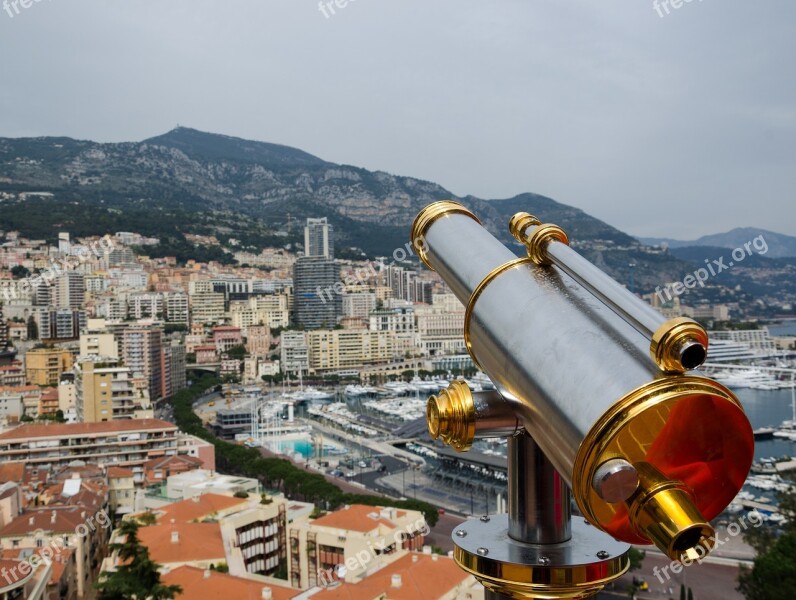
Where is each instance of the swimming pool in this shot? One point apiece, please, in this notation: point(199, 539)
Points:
point(305, 448)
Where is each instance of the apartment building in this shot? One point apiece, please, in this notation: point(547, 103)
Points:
point(398, 320)
point(105, 391)
point(126, 443)
point(173, 368)
point(359, 305)
point(44, 366)
point(19, 400)
point(142, 346)
point(70, 290)
point(98, 342)
point(440, 332)
point(207, 307)
point(336, 349)
point(350, 542)
point(318, 299)
point(246, 534)
point(319, 238)
point(121, 490)
point(12, 375)
point(84, 530)
point(258, 340)
point(177, 308)
point(294, 352)
point(226, 337)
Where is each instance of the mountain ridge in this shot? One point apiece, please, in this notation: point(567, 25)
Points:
point(250, 194)
point(780, 245)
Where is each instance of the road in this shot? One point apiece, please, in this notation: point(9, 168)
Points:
point(709, 581)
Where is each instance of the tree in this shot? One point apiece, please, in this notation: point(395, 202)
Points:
point(137, 576)
point(19, 272)
point(636, 557)
point(238, 352)
point(773, 575)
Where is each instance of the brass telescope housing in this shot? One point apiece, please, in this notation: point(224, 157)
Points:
point(605, 385)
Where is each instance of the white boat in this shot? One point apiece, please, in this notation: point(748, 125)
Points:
point(354, 391)
point(747, 378)
point(309, 394)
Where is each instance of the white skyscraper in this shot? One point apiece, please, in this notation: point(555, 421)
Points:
point(319, 238)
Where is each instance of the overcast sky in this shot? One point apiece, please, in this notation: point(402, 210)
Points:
point(673, 126)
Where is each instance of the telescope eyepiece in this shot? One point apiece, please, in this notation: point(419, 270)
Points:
point(664, 511)
point(692, 354)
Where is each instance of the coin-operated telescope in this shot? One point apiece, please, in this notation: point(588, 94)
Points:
point(600, 399)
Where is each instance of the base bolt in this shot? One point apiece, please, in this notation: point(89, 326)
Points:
point(602, 554)
point(543, 560)
point(482, 551)
point(485, 519)
point(461, 533)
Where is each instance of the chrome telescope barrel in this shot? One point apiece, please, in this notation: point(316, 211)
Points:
point(581, 380)
point(676, 345)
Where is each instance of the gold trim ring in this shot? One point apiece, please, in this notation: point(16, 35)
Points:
point(427, 216)
point(519, 223)
point(669, 341)
point(468, 315)
point(537, 242)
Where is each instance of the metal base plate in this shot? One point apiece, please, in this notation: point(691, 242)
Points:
point(577, 568)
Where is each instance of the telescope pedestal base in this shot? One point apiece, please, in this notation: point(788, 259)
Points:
point(577, 568)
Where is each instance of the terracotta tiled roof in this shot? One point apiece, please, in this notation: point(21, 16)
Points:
point(11, 472)
point(357, 517)
point(119, 472)
point(58, 519)
point(12, 573)
point(198, 508)
point(90, 495)
point(50, 394)
point(59, 560)
point(39, 430)
point(82, 469)
point(221, 586)
point(423, 577)
point(195, 541)
point(165, 461)
point(19, 389)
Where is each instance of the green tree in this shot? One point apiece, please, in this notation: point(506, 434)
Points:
point(238, 352)
point(137, 576)
point(19, 272)
point(773, 575)
point(636, 558)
